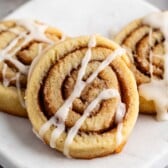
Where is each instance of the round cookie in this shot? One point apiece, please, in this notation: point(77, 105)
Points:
point(146, 41)
point(82, 99)
point(21, 41)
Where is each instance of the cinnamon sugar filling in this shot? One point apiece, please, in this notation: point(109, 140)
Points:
point(51, 97)
point(138, 42)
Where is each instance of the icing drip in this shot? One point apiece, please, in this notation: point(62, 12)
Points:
point(62, 113)
point(4, 53)
point(60, 116)
point(120, 113)
point(19, 90)
point(105, 94)
point(12, 44)
point(21, 67)
point(5, 80)
point(119, 136)
point(36, 31)
point(156, 90)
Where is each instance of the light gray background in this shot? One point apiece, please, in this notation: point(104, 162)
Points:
point(7, 6)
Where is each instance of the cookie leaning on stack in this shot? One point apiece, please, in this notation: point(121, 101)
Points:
point(21, 41)
point(82, 98)
point(146, 42)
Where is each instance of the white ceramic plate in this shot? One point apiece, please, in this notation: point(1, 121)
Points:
point(148, 144)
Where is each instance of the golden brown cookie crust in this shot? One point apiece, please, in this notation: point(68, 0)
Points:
point(48, 88)
point(135, 38)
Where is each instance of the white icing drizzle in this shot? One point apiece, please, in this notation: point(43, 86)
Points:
point(60, 116)
point(19, 90)
point(105, 94)
point(62, 113)
point(157, 90)
point(4, 53)
point(13, 43)
point(119, 135)
point(21, 67)
point(36, 31)
point(5, 80)
point(120, 113)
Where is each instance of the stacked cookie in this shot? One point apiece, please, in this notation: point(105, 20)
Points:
point(21, 41)
point(146, 42)
point(80, 93)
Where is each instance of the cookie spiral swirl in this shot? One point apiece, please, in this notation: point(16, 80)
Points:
point(73, 106)
point(21, 41)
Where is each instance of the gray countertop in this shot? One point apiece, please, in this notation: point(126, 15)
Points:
point(162, 4)
point(7, 6)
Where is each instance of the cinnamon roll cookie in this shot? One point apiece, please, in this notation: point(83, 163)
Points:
point(20, 42)
point(82, 99)
point(146, 42)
